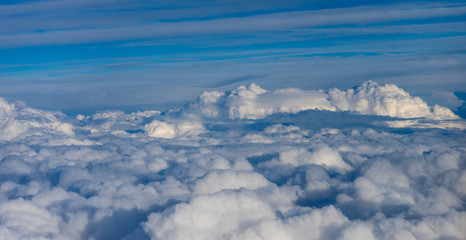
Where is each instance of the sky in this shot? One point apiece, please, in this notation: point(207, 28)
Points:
point(232, 120)
point(83, 56)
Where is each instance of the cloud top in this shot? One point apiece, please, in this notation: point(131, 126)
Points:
point(18, 121)
point(370, 98)
point(388, 100)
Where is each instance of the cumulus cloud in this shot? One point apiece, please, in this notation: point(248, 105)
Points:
point(18, 121)
point(177, 128)
point(216, 181)
point(204, 172)
point(370, 98)
point(20, 217)
point(323, 156)
point(209, 217)
point(253, 102)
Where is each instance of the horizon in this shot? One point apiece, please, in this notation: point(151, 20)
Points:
point(175, 106)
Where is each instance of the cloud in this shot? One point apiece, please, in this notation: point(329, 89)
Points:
point(188, 125)
point(21, 217)
point(241, 164)
point(233, 80)
point(425, 124)
point(203, 217)
point(253, 102)
point(323, 156)
point(230, 215)
point(388, 100)
point(216, 181)
point(223, 25)
point(18, 121)
point(369, 98)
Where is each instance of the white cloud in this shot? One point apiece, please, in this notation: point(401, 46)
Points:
point(254, 102)
point(216, 181)
point(323, 156)
point(388, 100)
point(18, 121)
point(425, 124)
point(185, 126)
point(21, 217)
point(243, 164)
point(209, 217)
point(358, 230)
point(160, 129)
point(369, 98)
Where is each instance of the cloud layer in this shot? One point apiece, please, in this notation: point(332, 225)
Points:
point(242, 164)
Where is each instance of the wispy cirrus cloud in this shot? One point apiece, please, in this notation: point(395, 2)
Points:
point(283, 21)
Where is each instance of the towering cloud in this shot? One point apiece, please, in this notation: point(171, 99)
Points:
point(388, 100)
point(369, 98)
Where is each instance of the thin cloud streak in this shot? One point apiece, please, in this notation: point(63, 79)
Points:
point(382, 47)
point(265, 22)
point(232, 81)
point(49, 6)
point(101, 16)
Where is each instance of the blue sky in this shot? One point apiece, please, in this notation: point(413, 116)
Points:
point(103, 54)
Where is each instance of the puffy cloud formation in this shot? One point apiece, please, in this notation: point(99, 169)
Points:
point(253, 102)
point(18, 121)
point(177, 128)
point(388, 100)
point(291, 171)
point(369, 98)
